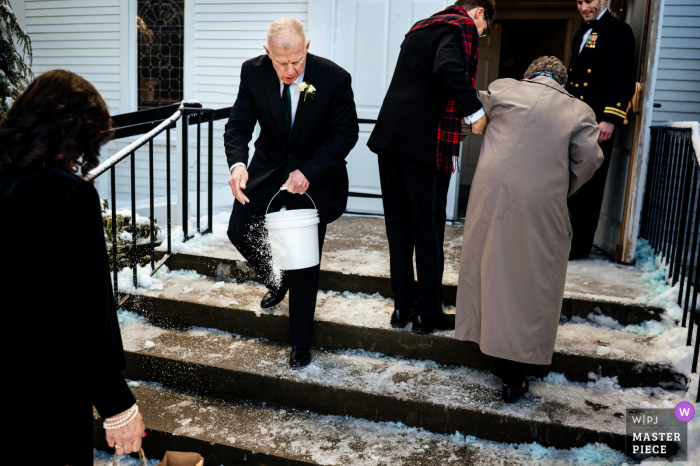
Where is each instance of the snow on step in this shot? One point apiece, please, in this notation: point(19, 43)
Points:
point(336, 440)
point(567, 404)
point(360, 310)
point(358, 246)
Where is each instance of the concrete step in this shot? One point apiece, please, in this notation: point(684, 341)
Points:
point(440, 399)
point(356, 259)
point(349, 322)
point(234, 432)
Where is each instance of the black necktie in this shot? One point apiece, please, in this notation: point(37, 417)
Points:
point(287, 110)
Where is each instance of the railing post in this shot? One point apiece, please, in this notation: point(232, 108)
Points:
point(152, 248)
point(167, 187)
point(199, 167)
point(210, 173)
point(185, 169)
point(134, 232)
point(687, 261)
point(115, 269)
point(683, 215)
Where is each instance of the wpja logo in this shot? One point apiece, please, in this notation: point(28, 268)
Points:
point(658, 433)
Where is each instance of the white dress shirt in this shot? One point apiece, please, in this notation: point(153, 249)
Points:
point(295, 94)
point(588, 33)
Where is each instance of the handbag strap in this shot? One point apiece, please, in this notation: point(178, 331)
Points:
point(142, 458)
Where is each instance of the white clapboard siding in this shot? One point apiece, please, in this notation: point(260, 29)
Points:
point(678, 78)
point(80, 36)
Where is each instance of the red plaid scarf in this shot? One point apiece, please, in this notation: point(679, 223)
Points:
point(449, 131)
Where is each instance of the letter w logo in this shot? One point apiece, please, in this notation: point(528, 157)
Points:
point(685, 412)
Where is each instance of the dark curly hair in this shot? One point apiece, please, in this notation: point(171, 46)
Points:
point(59, 121)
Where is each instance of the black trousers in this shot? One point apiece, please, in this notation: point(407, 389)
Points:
point(511, 372)
point(414, 195)
point(247, 232)
point(584, 206)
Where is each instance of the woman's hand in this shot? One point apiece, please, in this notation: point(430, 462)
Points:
point(127, 439)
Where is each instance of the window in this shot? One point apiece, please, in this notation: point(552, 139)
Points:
point(160, 29)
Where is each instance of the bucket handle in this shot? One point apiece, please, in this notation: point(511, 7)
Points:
point(284, 188)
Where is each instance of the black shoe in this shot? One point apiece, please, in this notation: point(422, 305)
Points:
point(300, 357)
point(512, 394)
point(423, 324)
point(274, 297)
point(399, 319)
point(575, 255)
point(426, 325)
point(445, 322)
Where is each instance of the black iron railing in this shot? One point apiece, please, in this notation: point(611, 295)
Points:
point(671, 216)
point(149, 124)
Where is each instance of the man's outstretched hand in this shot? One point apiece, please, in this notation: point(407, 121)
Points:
point(479, 126)
point(296, 183)
point(238, 180)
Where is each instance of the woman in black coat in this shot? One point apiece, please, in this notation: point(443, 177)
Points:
point(62, 347)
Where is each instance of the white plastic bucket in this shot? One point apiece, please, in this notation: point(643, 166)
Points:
point(293, 236)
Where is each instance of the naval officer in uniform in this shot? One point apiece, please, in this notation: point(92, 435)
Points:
point(601, 74)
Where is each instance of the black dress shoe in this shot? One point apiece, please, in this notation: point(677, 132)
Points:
point(513, 394)
point(274, 297)
point(576, 255)
point(399, 319)
point(426, 325)
point(300, 357)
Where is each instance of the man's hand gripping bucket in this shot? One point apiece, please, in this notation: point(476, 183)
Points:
point(293, 236)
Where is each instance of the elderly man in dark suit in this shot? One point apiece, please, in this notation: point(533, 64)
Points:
point(308, 125)
point(417, 138)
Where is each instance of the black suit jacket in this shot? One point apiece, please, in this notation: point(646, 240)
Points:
point(603, 76)
point(430, 71)
point(56, 285)
point(325, 130)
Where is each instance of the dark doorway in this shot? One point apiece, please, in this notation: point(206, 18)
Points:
point(524, 40)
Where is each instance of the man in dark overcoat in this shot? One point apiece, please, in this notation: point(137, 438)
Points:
point(601, 74)
point(417, 139)
point(308, 124)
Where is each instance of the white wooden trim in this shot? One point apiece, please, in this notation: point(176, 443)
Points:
point(127, 62)
point(319, 27)
point(639, 168)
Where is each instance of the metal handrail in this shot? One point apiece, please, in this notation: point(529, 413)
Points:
point(137, 123)
point(671, 215)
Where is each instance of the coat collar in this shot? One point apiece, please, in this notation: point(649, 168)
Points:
point(549, 82)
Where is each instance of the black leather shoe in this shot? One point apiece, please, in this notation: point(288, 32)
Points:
point(300, 357)
point(576, 255)
point(274, 297)
point(445, 322)
point(425, 325)
point(513, 394)
point(399, 319)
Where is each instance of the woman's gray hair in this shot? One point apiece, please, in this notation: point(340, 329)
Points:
point(285, 33)
point(551, 64)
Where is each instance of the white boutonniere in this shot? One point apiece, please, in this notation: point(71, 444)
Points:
point(307, 89)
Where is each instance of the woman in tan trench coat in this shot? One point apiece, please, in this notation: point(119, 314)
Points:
point(540, 147)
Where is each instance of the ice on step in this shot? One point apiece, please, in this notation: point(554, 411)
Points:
point(603, 351)
point(149, 344)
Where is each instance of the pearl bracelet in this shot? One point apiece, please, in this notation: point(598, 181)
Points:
point(123, 415)
point(122, 419)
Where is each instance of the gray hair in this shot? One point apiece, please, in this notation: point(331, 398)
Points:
point(285, 33)
point(551, 64)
